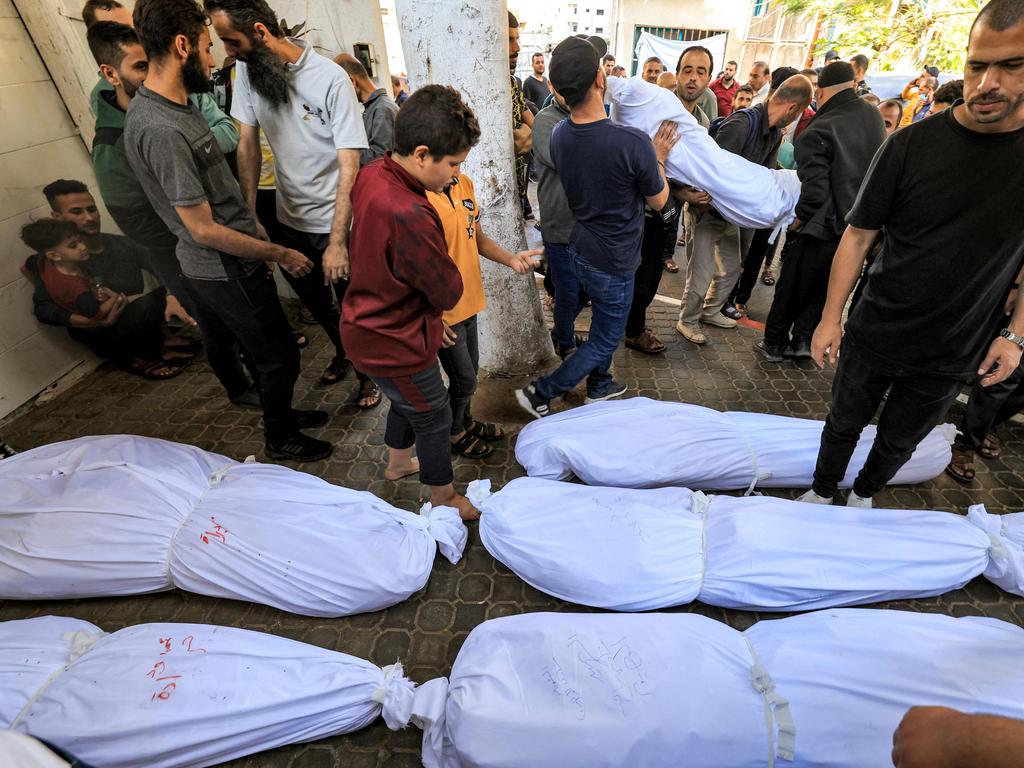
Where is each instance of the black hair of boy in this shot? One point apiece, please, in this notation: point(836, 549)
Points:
point(46, 234)
point(435, 116)
point(108, 40)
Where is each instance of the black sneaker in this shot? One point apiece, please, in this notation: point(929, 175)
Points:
point(770, 353)
point(309, 419)
point(615, 389)
point(798, 350)
point(532, 403)
point(298, 447)
point(248, 399)
point(731, 312)
point(6, 451)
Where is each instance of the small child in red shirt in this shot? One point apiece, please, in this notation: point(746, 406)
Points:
point(126, 329)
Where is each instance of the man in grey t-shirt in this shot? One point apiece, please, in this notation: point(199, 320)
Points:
point(186, 178)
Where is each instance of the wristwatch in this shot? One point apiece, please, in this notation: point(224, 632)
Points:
point(1009, 335)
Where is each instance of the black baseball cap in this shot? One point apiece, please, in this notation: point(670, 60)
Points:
point(574, 64)
point(831, 54)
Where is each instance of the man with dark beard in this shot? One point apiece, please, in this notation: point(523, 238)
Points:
point(186, 178)
point(308, 110)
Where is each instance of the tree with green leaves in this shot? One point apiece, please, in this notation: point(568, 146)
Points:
point(894, 34)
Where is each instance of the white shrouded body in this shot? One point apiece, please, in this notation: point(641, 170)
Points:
point(644, 443)
point(123, 515)
point(183, 695)
point(747, 194)
point(637, 550)
point(664, 690)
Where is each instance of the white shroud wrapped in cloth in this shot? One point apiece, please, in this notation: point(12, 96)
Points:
point(665, 690)
point(176, 695)
point(123, 515)
point(637, 550)
point(644, 443)
point(747, 194)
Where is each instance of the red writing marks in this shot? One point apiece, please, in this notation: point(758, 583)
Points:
point(219, 533)
point(161, 673)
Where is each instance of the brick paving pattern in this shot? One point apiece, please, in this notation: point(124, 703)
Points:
point(427, 631)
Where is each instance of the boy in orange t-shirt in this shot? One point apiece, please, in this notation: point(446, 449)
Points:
point(460, 218)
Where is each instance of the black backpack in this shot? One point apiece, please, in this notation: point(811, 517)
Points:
point(753, 126)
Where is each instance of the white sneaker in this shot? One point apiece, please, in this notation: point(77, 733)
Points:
point(718, 320)
point(812, 498)
point(853, 500)
point(691, 333)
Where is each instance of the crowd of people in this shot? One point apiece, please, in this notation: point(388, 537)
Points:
point(284, 157)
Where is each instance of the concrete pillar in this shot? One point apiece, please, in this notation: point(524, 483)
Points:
point(464, 43)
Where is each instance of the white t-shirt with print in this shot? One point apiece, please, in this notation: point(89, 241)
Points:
point(322, 115)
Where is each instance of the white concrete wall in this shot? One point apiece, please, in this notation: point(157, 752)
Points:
point(38, 143)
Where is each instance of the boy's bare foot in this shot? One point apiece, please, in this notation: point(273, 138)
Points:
point(396, 470)
point(466, 509)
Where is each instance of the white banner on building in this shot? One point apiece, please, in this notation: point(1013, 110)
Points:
point(669, 51)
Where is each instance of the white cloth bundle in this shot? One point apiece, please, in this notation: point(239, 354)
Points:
point(20, 751)
point(637, 550)
point(644, 443)
point(125, 515)
point(747, 194)
point(664, 690)
point(176, 695)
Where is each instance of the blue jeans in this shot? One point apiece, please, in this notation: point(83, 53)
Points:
point(568, 300)
point(610, 296)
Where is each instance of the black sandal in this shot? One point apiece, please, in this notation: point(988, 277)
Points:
point(990, 447)
point(471, 447)
point(300, 339)
point(486, 431)
point(369, 393)
point(335, 372)
point(156, 370)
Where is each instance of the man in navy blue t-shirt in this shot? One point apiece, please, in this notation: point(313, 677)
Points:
point(608, 172)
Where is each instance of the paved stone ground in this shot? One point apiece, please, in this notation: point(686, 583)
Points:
point(427, 631)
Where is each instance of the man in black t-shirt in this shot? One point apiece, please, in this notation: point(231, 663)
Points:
point(951, 255)
point(536, 87)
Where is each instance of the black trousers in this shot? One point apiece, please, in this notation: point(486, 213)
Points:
point(759, 251)
point(461, 364)
point(916, 403)
point(421, 415)
point(245, 313)
point(163, 262)
point(672, 231)
point(988, 408)
point(138, 331)
point(648, 274)
point(801, 291)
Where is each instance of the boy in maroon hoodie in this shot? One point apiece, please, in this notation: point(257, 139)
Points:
point(403, 279)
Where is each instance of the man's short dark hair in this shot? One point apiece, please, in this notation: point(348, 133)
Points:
point(763, 66)
point(606, 58)
point(744, 89)
point(158, 22)
point(950, 92)
point(861, 61)
point(536, 54)
point(90, 8)
point(734, 63)
point(245, 13)
point(701, 49)
point(793, 91)
point(62, 187)
point(809, 72)
point(653, 58)
point(1000, 15)
point(894, 103)
point(46, 234)
point(107, 41)
point(435, 116)
point(513, 22)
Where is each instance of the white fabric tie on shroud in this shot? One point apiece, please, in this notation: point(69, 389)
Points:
point(746, 194)
point(122, 515)
point(644, 443)
point(605, 691)
point(186, 695)
point(638, 550)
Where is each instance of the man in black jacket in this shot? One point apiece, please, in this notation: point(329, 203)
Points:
point(832, 156)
